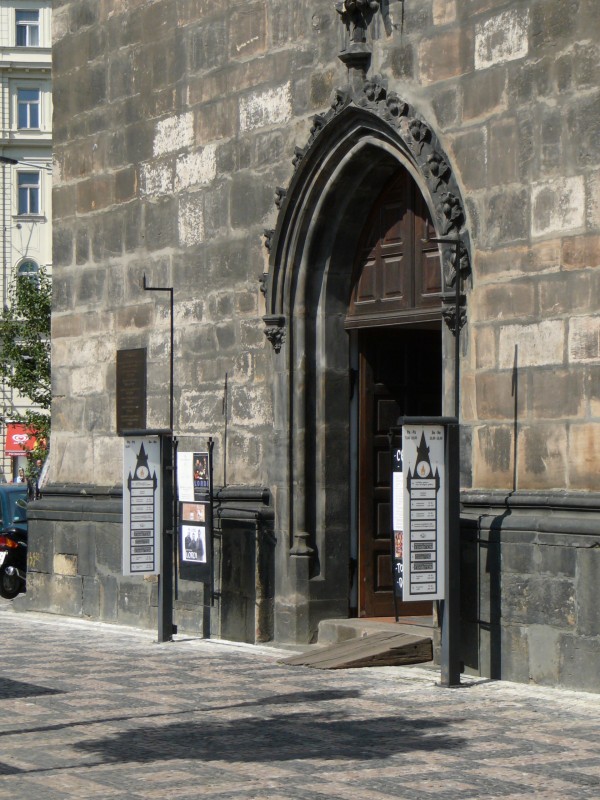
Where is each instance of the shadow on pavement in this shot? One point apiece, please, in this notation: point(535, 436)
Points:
point(15, 689)
point(276, 699)
point(296, 698)
point(275, 738)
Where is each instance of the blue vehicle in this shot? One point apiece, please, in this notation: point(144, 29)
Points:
point(13, 539)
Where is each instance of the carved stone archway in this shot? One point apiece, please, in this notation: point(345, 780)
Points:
point(367, 135)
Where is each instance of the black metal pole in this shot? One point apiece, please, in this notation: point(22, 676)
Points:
point(392, 531)
point(168, 289)
point(175, 507)
point(165, 579)
point(210, 588)
point(450, 607)
point(457, 336)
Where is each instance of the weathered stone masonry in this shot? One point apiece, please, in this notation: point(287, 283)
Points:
point(175, 123)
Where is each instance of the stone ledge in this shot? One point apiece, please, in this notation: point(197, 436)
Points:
point(559, 499)
point(572, 517)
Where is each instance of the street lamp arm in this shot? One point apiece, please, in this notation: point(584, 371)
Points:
point(14, 161)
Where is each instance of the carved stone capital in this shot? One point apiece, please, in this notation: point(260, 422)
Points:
point(275, 330)
point(300, 546)
point(357, 57)
point(450, 316)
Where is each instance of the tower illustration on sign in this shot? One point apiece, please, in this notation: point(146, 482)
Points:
point(142, 508)
point(423, 487)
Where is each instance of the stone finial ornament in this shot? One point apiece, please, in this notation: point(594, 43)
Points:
point(420, 133)
point(375, 88)
point(438, 168)
point(356, 16)
point(453, 212)
point(395, 105)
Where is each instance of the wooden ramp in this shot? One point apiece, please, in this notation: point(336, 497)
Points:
point(384, 649)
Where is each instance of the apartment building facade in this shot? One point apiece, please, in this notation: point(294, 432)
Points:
point(25, 177)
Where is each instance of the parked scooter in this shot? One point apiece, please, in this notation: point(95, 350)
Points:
point(13, 542)
point(13, 560)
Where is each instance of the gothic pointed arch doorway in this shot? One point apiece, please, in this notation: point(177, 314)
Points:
point(316, 329)
point(394, 322)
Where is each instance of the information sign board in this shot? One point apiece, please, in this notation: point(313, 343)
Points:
point(141, 505)
point(131, 389)
point(397, 522)
point(424, 487)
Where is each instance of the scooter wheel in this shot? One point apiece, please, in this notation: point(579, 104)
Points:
point(10, 585)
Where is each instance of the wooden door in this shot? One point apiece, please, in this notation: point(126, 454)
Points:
point(399, 374)
point(396, 307)
point(397, 271)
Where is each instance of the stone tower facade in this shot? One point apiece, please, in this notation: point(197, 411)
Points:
point(238, 152)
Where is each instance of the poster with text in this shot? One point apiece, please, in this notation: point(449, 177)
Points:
point(195, 541)
point(193, 476)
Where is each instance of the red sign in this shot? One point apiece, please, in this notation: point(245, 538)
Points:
point(19, 439)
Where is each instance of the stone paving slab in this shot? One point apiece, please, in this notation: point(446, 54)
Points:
point(99, 711)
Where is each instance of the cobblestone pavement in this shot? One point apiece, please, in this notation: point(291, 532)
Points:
point(97, 711)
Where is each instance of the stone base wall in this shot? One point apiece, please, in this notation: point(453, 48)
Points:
point(529, 586)
point(75, 568)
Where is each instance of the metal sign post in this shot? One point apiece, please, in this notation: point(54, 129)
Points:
point(430, 525)
point(166, 628)
point(148, 515)
point(165, 579)
point(450, 657)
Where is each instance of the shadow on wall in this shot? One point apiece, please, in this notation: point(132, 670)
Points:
point(481, 571)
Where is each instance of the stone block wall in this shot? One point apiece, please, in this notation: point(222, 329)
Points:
point(75, 566)
point(176, 120)
point(530, 571)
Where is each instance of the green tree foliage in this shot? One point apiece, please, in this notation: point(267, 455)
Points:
point(25, 353)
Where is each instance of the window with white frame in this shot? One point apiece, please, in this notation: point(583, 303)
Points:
point(27, 28)
point(28, 108)
point(28, 184)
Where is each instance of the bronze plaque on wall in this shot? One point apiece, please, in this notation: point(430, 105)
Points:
point(131, 390)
